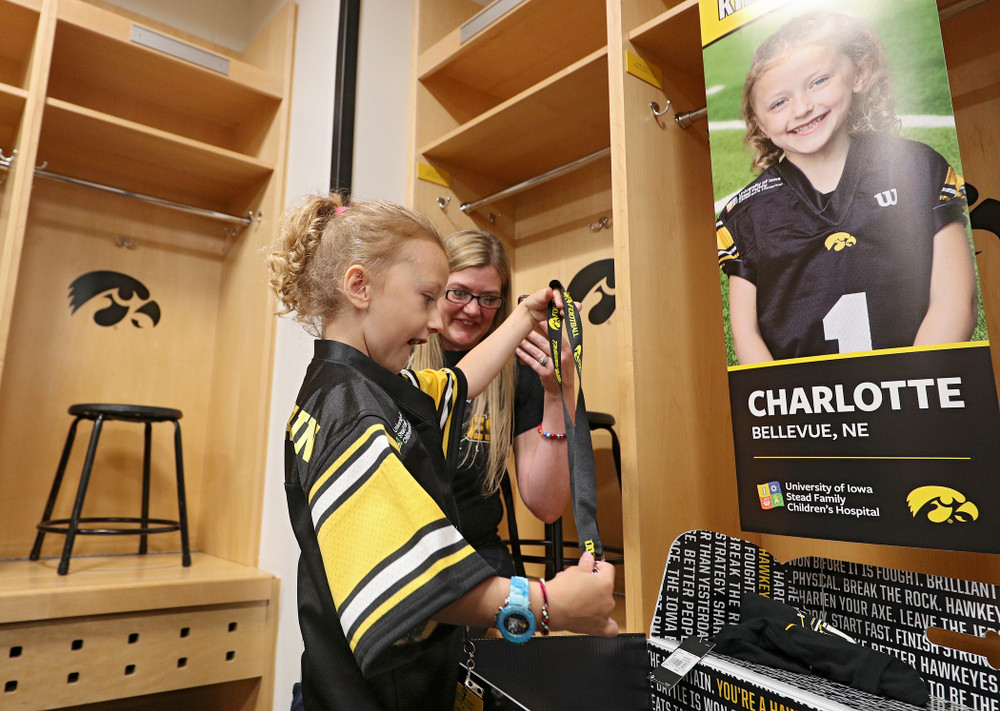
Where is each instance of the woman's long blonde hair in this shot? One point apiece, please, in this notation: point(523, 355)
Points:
point(872, 109)
point(468, 249)
point(319, 238)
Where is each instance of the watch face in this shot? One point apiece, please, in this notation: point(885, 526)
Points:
point(516, 623)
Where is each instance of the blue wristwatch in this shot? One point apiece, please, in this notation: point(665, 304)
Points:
point(514, 620)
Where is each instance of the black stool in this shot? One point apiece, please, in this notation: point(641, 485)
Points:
point(71, 527)
point(553, 546)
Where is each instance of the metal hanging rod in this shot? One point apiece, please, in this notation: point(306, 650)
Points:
point(5, 162)
point(686, 119)
point(470, 207)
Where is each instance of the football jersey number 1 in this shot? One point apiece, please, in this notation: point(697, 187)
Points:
point(847, 323)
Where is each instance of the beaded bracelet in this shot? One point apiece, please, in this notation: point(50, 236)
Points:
point(545, 608)
point(550, 435)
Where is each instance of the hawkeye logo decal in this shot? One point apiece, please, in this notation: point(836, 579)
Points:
point(941, 504)
point(839, 241)
point(124, 294)
point(770, 495)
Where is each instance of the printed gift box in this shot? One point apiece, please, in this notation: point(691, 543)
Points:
point(705, 578)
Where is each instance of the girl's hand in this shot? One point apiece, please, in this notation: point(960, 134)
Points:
point(537, 304)
point(581, 598)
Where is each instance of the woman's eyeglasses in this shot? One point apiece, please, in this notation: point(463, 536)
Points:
point(486, 301)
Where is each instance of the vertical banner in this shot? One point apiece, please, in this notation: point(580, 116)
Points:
point(862, 391)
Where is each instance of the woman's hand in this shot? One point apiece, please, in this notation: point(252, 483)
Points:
point(534, 353)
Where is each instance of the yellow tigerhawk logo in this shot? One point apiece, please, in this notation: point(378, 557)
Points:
point(302, 429)
point(840, 240)
point(555, 323)
point(942, 505)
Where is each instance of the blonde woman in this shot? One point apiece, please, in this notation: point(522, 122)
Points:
point(520, 410)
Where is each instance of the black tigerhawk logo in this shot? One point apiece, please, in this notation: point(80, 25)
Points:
point(941, 504)
point(595, 278)
point(123, 293)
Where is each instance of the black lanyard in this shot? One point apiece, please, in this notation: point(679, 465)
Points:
point(582, 472)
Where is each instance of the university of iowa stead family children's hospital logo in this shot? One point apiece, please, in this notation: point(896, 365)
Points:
point(770, 495)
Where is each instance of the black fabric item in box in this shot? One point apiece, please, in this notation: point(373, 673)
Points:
point(566, 672)
point(772, 633)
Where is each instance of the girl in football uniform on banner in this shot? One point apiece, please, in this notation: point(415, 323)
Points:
point(852, 238)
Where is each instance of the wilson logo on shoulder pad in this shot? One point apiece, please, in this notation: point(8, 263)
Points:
point(887, 198)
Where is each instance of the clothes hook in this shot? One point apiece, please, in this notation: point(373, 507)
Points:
point(656, 108)
point(443, 202)
point(601, 224)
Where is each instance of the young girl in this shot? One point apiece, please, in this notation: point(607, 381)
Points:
point(384, 574)
point(523, 401)
point(855, 240)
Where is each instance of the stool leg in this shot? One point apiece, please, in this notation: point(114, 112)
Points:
point(147, 442)
point(554, 532)
point(74, 523)
point(181, 497)
point(36, 550)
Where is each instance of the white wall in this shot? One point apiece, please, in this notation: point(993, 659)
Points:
point(380, 157)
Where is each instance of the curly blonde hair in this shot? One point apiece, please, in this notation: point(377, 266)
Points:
point(468, 249)
point(320, 238)
point(872, 109)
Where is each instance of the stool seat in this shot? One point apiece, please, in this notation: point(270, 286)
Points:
point(143, 525)
point(137, 413)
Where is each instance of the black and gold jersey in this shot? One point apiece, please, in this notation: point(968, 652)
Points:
point(850, 270)
point(366, 461)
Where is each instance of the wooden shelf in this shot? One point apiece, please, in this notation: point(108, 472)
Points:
point(129, 626)
point(532, 41)
point(18, 22)
point(674, 36)
point(11, 108)
point(89, 145)
point(559, 120)
point(103, 585)
point(95, 64)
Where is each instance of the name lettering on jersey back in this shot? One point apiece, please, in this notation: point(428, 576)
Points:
point(887, 198)
point(301, 431)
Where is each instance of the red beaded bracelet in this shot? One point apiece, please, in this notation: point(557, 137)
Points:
point(545, 608)
point(550, 435)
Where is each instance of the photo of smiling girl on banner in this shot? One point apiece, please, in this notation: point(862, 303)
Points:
point(851, 238)
point(859, 370)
